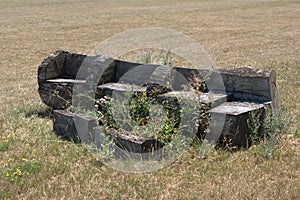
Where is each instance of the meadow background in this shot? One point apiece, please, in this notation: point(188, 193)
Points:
point(35, 163)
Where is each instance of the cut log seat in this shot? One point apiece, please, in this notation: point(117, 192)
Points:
point(209, 99)
point(230, 94)
point(85, 129)
point(58, 73)
point(118, 90)
point(245, 84)
point(229, 122)
point(57, 93)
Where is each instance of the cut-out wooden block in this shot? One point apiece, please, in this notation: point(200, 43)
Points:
point(229, 122)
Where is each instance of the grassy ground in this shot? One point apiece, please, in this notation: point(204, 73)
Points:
point(35, 163)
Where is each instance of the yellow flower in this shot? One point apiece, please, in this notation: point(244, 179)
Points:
point(8, 136)
point(24, 159)
point(18, 172)
point(27, 145)
point(6, 141)
point(3, 138)
point(13, 135)
point(7, 174)
point(10, 159)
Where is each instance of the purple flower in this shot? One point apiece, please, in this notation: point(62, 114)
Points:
point(96, 106)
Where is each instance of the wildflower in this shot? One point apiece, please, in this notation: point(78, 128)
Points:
point(24, 159)
point(102, 100)
point(27, 145)
point(3, 138)
point(7, 174)
point(18, 172)
point(97, 102)
point(96, 106)
point(10, 159)
point(5, 141)
point(13, 135)
point(8, 136)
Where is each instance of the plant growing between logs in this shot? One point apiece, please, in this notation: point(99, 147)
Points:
point(266, 131)
point(140, 119)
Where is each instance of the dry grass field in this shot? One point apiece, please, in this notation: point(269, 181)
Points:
point(36, 164)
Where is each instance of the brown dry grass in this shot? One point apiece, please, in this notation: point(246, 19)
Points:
point(262, 33)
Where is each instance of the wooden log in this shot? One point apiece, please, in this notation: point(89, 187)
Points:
point(85, 125)
point(133, 143)
point(246, 84)
point(134, 73)
point(60, 71)
point(229, 122)
point(118, 90)
point(250, 90)
point(209, 99)
point(56, 95)
point(78, 127)
point(126, 146)
point(51, 67)
point(85, 129)
point(63, 124)
point(60, 64)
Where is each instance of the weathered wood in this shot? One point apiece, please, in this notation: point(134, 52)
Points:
point(205, 101)
point(78, 127)
point(122, 67)
point(85, 129)
point(85, 125)
point(57, 95)
point(162, 75)
point(60, 71)
point(51, 67)
point(209, 99)
point(235, 130)
point(138, 74)
point(118, 90)
point(63, 124)
point(126, 146)
point(133, 143)
point(247, 89)
point(246, 84)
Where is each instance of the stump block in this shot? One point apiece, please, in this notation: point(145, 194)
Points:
point(235, 130)
point(63, 124)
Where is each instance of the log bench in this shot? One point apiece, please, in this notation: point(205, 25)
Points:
point(242, 91)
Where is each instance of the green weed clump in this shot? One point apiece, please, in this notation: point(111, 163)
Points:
point(17, 166)
point(6, 141)
point(137, 117)
point(266, 131)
